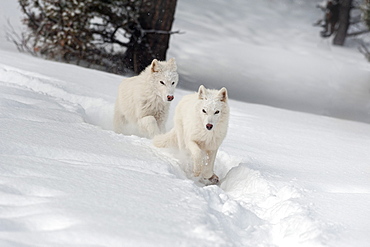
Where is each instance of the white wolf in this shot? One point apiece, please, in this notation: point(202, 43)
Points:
point(144, 100)
point(200, 125)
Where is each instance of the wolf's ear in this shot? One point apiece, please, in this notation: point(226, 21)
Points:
point(202, 92)
point(154, 67)
point(222, 94)
point(172, 64)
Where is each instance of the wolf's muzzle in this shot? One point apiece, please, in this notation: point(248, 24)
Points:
point(209, 126)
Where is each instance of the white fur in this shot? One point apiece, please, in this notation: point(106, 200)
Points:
point(143, 100)
point(193, 113)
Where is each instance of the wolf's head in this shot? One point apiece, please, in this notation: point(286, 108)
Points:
point(214, 106)
point(165, 78)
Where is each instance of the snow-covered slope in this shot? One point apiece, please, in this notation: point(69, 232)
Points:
point(65, 180)
point(268, 52)
point(287, 178)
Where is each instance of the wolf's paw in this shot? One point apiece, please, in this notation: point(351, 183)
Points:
point(213, 180)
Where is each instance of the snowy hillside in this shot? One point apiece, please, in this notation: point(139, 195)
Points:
point(268, 52)
point(287, 178)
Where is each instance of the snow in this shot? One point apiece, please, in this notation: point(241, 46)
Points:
point(288, 178)
point(244, 40)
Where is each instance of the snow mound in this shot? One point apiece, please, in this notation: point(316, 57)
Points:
point(291, 222)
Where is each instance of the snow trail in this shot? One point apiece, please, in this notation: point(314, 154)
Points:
point(249, 203)
point(96, 111)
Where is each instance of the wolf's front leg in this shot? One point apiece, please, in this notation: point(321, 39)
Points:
point(148, 126)
point(119, 122)
point(197, 156)
point(161, 127)
point(208, 168)
point(161, 121)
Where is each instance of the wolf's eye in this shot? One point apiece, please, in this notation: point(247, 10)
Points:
point(162, 82)
point(204, 111)
point(217, 112)
point(173, 83)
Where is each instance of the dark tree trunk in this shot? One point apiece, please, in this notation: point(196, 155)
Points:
point(151, 39)
point(344, 17)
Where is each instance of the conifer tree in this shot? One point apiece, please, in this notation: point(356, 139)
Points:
point(99, 33)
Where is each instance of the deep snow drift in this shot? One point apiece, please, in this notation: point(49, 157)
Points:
point(287, 178)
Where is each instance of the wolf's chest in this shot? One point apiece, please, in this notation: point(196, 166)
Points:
point(209, 141)
point(154, 108)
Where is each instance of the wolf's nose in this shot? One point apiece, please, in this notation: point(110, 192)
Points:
point(209, 126)
point(170, 97)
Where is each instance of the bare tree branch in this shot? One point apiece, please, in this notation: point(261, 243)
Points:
point(358, 33)
point(162, 32)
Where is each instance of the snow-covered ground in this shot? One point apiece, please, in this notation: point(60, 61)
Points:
point(288, 178)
